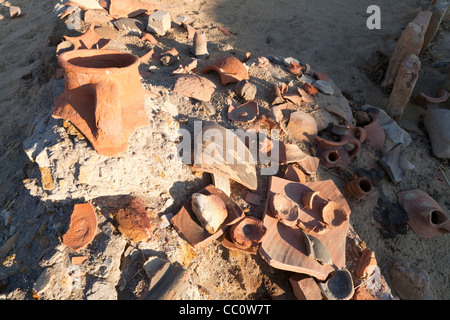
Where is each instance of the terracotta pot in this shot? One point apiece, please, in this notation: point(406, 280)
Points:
point(426, 216)
point(103, 97)
point(358, 188)
point(375, 133)
point(334, 153)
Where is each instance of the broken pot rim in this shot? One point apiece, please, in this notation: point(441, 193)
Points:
point(256, 237)
point(64, 59)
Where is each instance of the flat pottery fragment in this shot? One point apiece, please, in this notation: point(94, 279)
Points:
point(284, 247)
point(221, 151)
point(133, 220)
point(82, 228)
point(302, 126)
point(210, 210)
point(191, 230)
point(229, 68)
point(390, 162)
point(243, 113)
point(194, 86)
point(426, 216)
point(294, 174)
point(89, 40)
point(131, 8)
point(339, 286)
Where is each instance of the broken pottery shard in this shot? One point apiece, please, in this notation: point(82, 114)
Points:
point(15, 12)
point(82, 228)
point(245, 90)
point(320, 76)
point(366, 264)
point(294, 154)
point(404, 84)
point(248, 232)
point(339, 286)
point(219, 150)
point(308, 198)
point(95, 16)
point(184, 67)
point(294, 68)
point(200, 44)
point(169, 57)
point(166, 281)
point(148, 37)
point(302, 126)
point(210, 210)
point(284, 247)
point(410, 42)
point(332, 214)
point(85, 4)
point(305, 288)
point(436, 123)
point(358, 188)
point(392, 129)
point(317, 250)
point(439, 10)
point(130, 26)
point(131, 8)
point(324, 86)
point(310, 89)
point(306, 97)
point(424, 100)
point(276, 95)
point(94, 98)
point(133, 220)
point(229, 68)
point(190, 229)
point(335, 153)
point(294, 174)
point(194, 86)
point(244, 113)
point(374, 132)
point(89, 40)
point(410, 282)
point(426, 216)
point(390, 162)
point(285, 210)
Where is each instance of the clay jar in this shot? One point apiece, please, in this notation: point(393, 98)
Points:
point(335, 153)
point(375, 134)
point(103, 97)
point(358, 188)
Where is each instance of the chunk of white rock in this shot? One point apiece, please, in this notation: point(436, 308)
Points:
point(159, 22)
point(210, 210)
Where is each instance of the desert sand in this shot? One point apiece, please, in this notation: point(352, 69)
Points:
point(331, 36)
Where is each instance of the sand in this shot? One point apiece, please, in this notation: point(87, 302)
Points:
point(330, 36)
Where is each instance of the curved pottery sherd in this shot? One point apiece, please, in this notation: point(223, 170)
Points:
point(194, 86)
point(375, 132)
point(358, 188)
point(358, 133)
point(335, 153)
point(339, 286)
point(317, 250)
point(229, 68)
point(82, 228)
point(248, 232)
point(210, 211)
point(426, 216)
point(244, 113)
point(424, 100)
point(89, 40)
point(103, 97)
point(308, 198)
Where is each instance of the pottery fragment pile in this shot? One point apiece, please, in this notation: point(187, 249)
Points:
point(305, 222)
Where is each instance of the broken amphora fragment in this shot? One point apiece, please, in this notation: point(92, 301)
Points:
point(358, 188)
point(426, 216)
point(317, 250)
point(335, 153)
point(82, 228)
point(247, 233)
point(103, 97)
point(339, 286)
point(246, 112)
point(375, 134)
point(229, 68)
point(200, 44)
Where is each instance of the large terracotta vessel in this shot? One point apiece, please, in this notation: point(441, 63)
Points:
point(103, 97)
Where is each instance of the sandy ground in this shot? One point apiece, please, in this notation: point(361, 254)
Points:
point(330, 36)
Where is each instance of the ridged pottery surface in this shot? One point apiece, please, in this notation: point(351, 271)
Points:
point(426, 216)
point(103, 97)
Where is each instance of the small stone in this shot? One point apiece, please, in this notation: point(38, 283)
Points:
point(324, 87)
point(159, 22)
point(410, 282)
point(210, 210)
point(15, 12)
point(46, 179)
point(130, 26)
point(44, 281)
